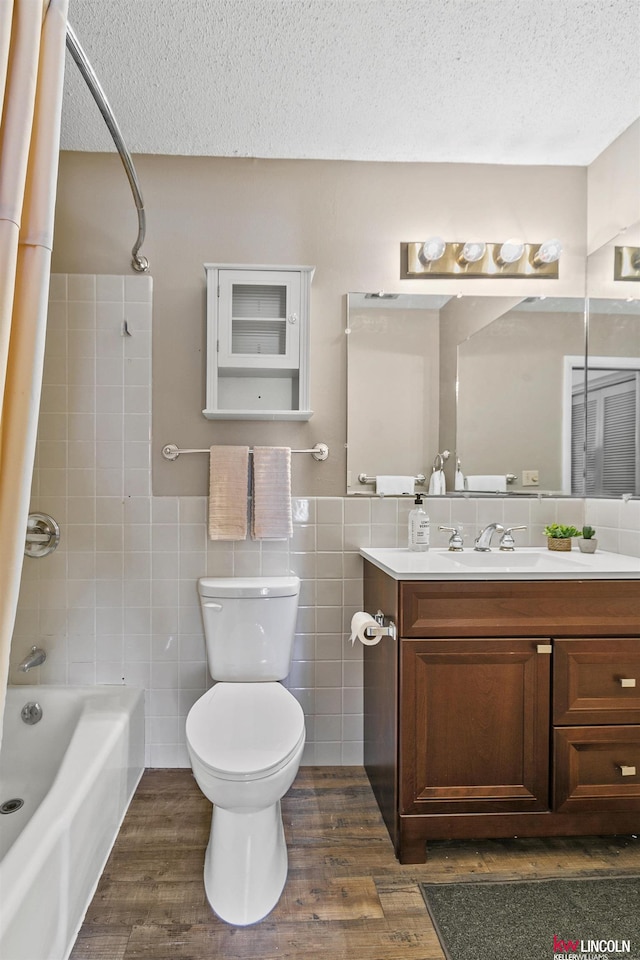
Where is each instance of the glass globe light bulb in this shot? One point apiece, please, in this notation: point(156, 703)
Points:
point(432, 249)
point(548, 252)
point(472, 251)
point(510, 251)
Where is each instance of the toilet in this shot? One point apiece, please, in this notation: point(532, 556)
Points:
point(245, 738)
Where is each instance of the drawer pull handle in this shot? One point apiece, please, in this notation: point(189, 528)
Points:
point(545, 648)
point(626, 771)
point(627, 681)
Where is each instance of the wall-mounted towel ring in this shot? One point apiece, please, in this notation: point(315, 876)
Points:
point(439, 460)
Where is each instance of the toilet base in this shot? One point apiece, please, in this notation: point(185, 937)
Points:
point(245, 867)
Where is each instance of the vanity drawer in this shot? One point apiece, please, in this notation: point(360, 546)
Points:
point(596, 768)
point(512, 608)
point(596, 681)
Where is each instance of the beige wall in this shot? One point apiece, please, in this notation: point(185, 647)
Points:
point(511, 391)
point(613, 190)
point(460, 318)
point(346, 218)
point(390, 430)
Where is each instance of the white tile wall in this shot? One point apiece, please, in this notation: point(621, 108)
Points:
point(117, 601)
point(617, 524)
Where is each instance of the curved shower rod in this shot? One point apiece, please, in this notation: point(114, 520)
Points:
point(139, 263)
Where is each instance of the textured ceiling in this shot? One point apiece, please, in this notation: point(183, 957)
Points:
point(480, 81)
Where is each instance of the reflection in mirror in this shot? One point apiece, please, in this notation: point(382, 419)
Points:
point(511, 375)
point(501, 383)
point(612, 419)
point(611, 422)
point(480, 376)
point(393, 383)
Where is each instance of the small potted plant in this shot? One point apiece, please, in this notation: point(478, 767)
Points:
point(587, 542)
point(559, 536)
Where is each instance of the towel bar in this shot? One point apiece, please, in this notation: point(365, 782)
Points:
point(171, 452)
point(363, 478)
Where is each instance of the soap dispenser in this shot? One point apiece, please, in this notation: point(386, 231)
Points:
point(418, 527)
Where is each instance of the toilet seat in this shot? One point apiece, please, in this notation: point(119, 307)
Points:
point(245, 731)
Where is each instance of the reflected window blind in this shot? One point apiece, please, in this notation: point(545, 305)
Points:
point(613, 435)
point(258, 324)
point(578, 485)
point(619, 443)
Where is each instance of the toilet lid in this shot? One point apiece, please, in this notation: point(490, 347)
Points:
point(244, 587)
point(245, 730)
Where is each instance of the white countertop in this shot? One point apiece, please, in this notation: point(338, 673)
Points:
point(525, 563)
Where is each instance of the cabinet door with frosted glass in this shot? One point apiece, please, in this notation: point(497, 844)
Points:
point(257, 343)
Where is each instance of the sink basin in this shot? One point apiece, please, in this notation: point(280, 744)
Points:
point(525, 563)
point(513, 561)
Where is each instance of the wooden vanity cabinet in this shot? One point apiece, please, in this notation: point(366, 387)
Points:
point(503, 708)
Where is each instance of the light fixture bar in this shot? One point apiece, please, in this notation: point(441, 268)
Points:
point(452, 263)
point(626, 264)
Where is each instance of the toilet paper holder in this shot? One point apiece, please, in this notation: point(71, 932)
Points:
point(386, 628)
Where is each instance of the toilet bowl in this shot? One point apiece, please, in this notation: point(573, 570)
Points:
point(245, 742)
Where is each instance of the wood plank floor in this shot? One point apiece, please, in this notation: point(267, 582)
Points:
point(346, 894)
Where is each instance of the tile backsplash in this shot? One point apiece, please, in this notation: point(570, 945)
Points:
point(117, 602)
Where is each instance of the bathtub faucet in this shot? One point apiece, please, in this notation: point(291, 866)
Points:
point(35, 658)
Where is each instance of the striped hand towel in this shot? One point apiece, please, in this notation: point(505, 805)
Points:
point(271, 505)
point(228, 489)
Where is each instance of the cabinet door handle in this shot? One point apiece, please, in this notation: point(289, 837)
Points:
point(626, 771)
point(545, 648)
point(627, 681)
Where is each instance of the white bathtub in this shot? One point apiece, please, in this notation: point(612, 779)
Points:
point(76, 771)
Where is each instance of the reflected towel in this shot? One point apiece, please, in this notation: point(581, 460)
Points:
point(271, 504)
point(437, 484)
point(392, 486)
point(459, 480)
point(487, 483)
point(228, 488)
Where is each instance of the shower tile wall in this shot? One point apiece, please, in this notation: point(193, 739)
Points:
point(117, 601)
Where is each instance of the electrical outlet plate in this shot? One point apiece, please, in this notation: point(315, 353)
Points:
point(530, 478)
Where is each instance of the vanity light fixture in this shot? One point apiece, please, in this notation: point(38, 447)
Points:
point(437, 259)
point(626, 263)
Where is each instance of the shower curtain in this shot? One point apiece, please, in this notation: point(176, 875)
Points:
point(32, 51)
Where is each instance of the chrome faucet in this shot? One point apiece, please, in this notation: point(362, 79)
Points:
point(456, 543)
point(35, 658)
point(483, 540)
point(506, 540)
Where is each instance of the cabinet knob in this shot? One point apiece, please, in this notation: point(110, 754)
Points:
point(545, 648)
point(626, 771)
point(293, 318)
point(627, 681)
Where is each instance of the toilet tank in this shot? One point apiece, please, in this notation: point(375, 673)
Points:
point(249, 626)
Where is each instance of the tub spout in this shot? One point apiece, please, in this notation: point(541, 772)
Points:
point(35, 658)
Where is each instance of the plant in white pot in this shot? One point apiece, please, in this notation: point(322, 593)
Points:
point(587, 542)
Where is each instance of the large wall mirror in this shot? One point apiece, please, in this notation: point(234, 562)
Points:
point(541, 391)
point(611, 388)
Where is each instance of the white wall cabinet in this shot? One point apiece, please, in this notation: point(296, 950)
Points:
point(257, 342)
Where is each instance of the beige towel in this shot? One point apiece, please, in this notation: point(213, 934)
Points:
point(271, 505)
point(228, 488)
